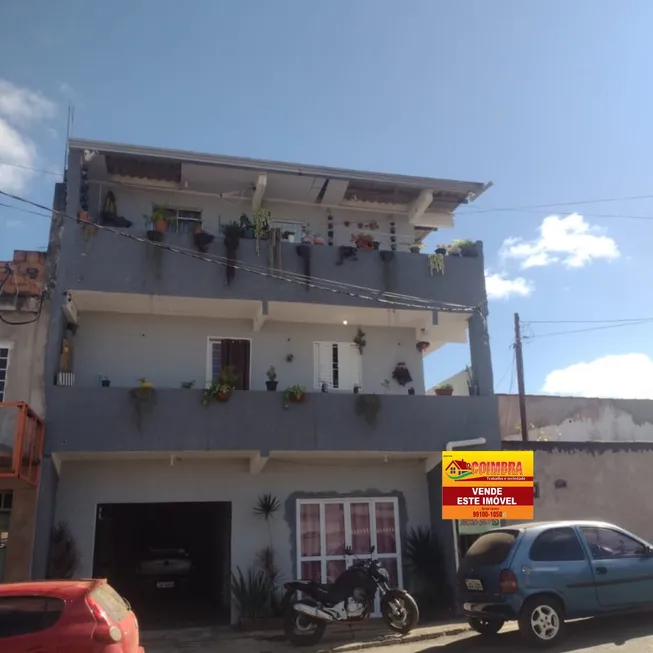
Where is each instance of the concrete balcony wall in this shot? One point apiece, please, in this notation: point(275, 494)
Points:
point(105, 420)
point(170, 350)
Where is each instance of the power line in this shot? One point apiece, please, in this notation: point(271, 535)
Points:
point(336, 287)
point(619, 216)
point(598, 328)
point(41, 170)
point(614, 321)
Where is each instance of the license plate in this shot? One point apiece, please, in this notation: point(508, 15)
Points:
point(474, 585)
point(167, 584)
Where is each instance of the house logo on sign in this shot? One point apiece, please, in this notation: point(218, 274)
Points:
point(458, 469)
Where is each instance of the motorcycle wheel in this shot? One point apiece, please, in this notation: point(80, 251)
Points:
point(301, 630)
point(400, 611)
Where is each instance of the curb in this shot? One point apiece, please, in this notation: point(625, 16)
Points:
point(398, 641)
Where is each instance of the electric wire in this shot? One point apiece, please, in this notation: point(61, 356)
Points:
point(537, 336)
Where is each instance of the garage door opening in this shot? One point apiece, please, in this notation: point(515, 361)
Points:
point(171, 561)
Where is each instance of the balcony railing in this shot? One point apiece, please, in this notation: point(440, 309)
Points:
point(21, 442)
point(108, 262)
point(111, 420)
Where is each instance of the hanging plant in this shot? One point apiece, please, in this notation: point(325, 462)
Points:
point(202, 239)
point(143, 397)
point(261, 225)
point(368, 406)
point(294, 394)
point(363, 241)
point(346, 252)
point(232, 233)
point(266, 505)
point(436, 263)
point(422, 346)
point(360, 341)
point(304, 252)
point(389, 272)
point(246, 226)
point(401, 374)
point(187, 385)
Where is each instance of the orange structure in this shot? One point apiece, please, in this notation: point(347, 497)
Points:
point(21, 442)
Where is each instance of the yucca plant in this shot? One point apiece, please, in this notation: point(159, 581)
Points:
point(64, 557)
point(266, 505)
point(424, 558)
point(252, 593)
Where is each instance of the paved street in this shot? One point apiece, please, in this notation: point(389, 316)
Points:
point(625, 634)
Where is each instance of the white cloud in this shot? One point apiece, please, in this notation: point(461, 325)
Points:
point(621, 376)
point(19, 108)
point(570, 240)
point(22, 106)
point(498, 286)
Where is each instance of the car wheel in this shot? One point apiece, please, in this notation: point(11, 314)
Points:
point(542, 621)
point(484, 626)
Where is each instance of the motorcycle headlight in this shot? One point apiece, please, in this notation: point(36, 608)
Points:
point(384, 573)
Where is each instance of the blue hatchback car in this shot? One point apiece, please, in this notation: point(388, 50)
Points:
point(542, 573)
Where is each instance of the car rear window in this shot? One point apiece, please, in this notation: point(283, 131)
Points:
point(22, 615)
point(490, 549)
point(111, 602)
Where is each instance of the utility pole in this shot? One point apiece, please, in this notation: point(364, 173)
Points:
point(519, 360)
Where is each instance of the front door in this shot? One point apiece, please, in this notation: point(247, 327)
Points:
point(623, 569)
point(325, 527)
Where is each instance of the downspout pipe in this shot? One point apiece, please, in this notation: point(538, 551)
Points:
point(450, 446)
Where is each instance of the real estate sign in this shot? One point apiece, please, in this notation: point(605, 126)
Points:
point(487, 485)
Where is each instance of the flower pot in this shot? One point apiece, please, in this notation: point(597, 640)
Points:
point(441, 250)
point(356, 389)
point(161, 226)
point(271, 385)
point(296, 399)
point(468, 251)
point(106, 383)
point(291, 238)
point(82, 216)
point(376, 244)
point(411, 391)
point(155, 236)
point(444, 392)
point(223, 396)
point(415, 250)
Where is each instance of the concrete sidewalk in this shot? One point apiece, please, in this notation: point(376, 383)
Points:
point(338, 638)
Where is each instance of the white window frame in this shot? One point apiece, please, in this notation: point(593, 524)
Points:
point(177, 209)
point(6, 344)
point(210, 340)
point(323, 559)
point(345, 345)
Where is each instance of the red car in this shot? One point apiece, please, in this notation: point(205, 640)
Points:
point(66, 616)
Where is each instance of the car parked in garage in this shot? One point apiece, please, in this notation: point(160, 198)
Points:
point(543, 573)
point(166, 569)
point(85, 616)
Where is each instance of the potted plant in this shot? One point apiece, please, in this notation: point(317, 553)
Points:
point(201, 239)
point(363, 241)
point(422, 346)
point(105, 381)
point(159, 220)
point(401, 374)
point(289, 236)
point(360, 341)
point(416, 248)
point(441, 249)
point(444, 389)
point(436, 263)
point(272, 383)
point(294, 394)
point(467, 247)
point(453, 250)
point(356, 388)
point(222, 388)
point(261, 225)
point(246, 227)
point(187, 385)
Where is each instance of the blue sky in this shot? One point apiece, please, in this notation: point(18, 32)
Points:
point(549, 99)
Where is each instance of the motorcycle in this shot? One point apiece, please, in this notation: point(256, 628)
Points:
point(350, 598)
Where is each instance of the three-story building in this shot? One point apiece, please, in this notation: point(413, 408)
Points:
point(183, 275)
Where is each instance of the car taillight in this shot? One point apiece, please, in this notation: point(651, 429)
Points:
point(104, 630)
point(507, 582)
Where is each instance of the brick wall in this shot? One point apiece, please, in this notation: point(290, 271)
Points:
point(24, 275)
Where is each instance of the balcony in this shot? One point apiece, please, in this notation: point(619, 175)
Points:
point(108, 263)
point(21, 442)
point(108, 421)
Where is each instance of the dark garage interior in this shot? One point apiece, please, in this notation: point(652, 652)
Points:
point(171, 561)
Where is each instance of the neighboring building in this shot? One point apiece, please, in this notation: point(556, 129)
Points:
point(460, 383)
point(578, 419)
point(606, 481)
point(24, 318)
point(131, 470)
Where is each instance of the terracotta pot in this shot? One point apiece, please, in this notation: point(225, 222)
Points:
point(444, 392)
point(296, 399)
point(223, 396)
point(161, 226)
point(82, 216)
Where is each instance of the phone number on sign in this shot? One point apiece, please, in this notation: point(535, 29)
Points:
point(488, 514)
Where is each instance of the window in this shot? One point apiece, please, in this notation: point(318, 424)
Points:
point(557, 545)
point(184, 221)
point(229, 352)
point(289, 230)
point(4, 367)
point(489, 550)
point(22, 615)
point(338, 365)
point(606, 543)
